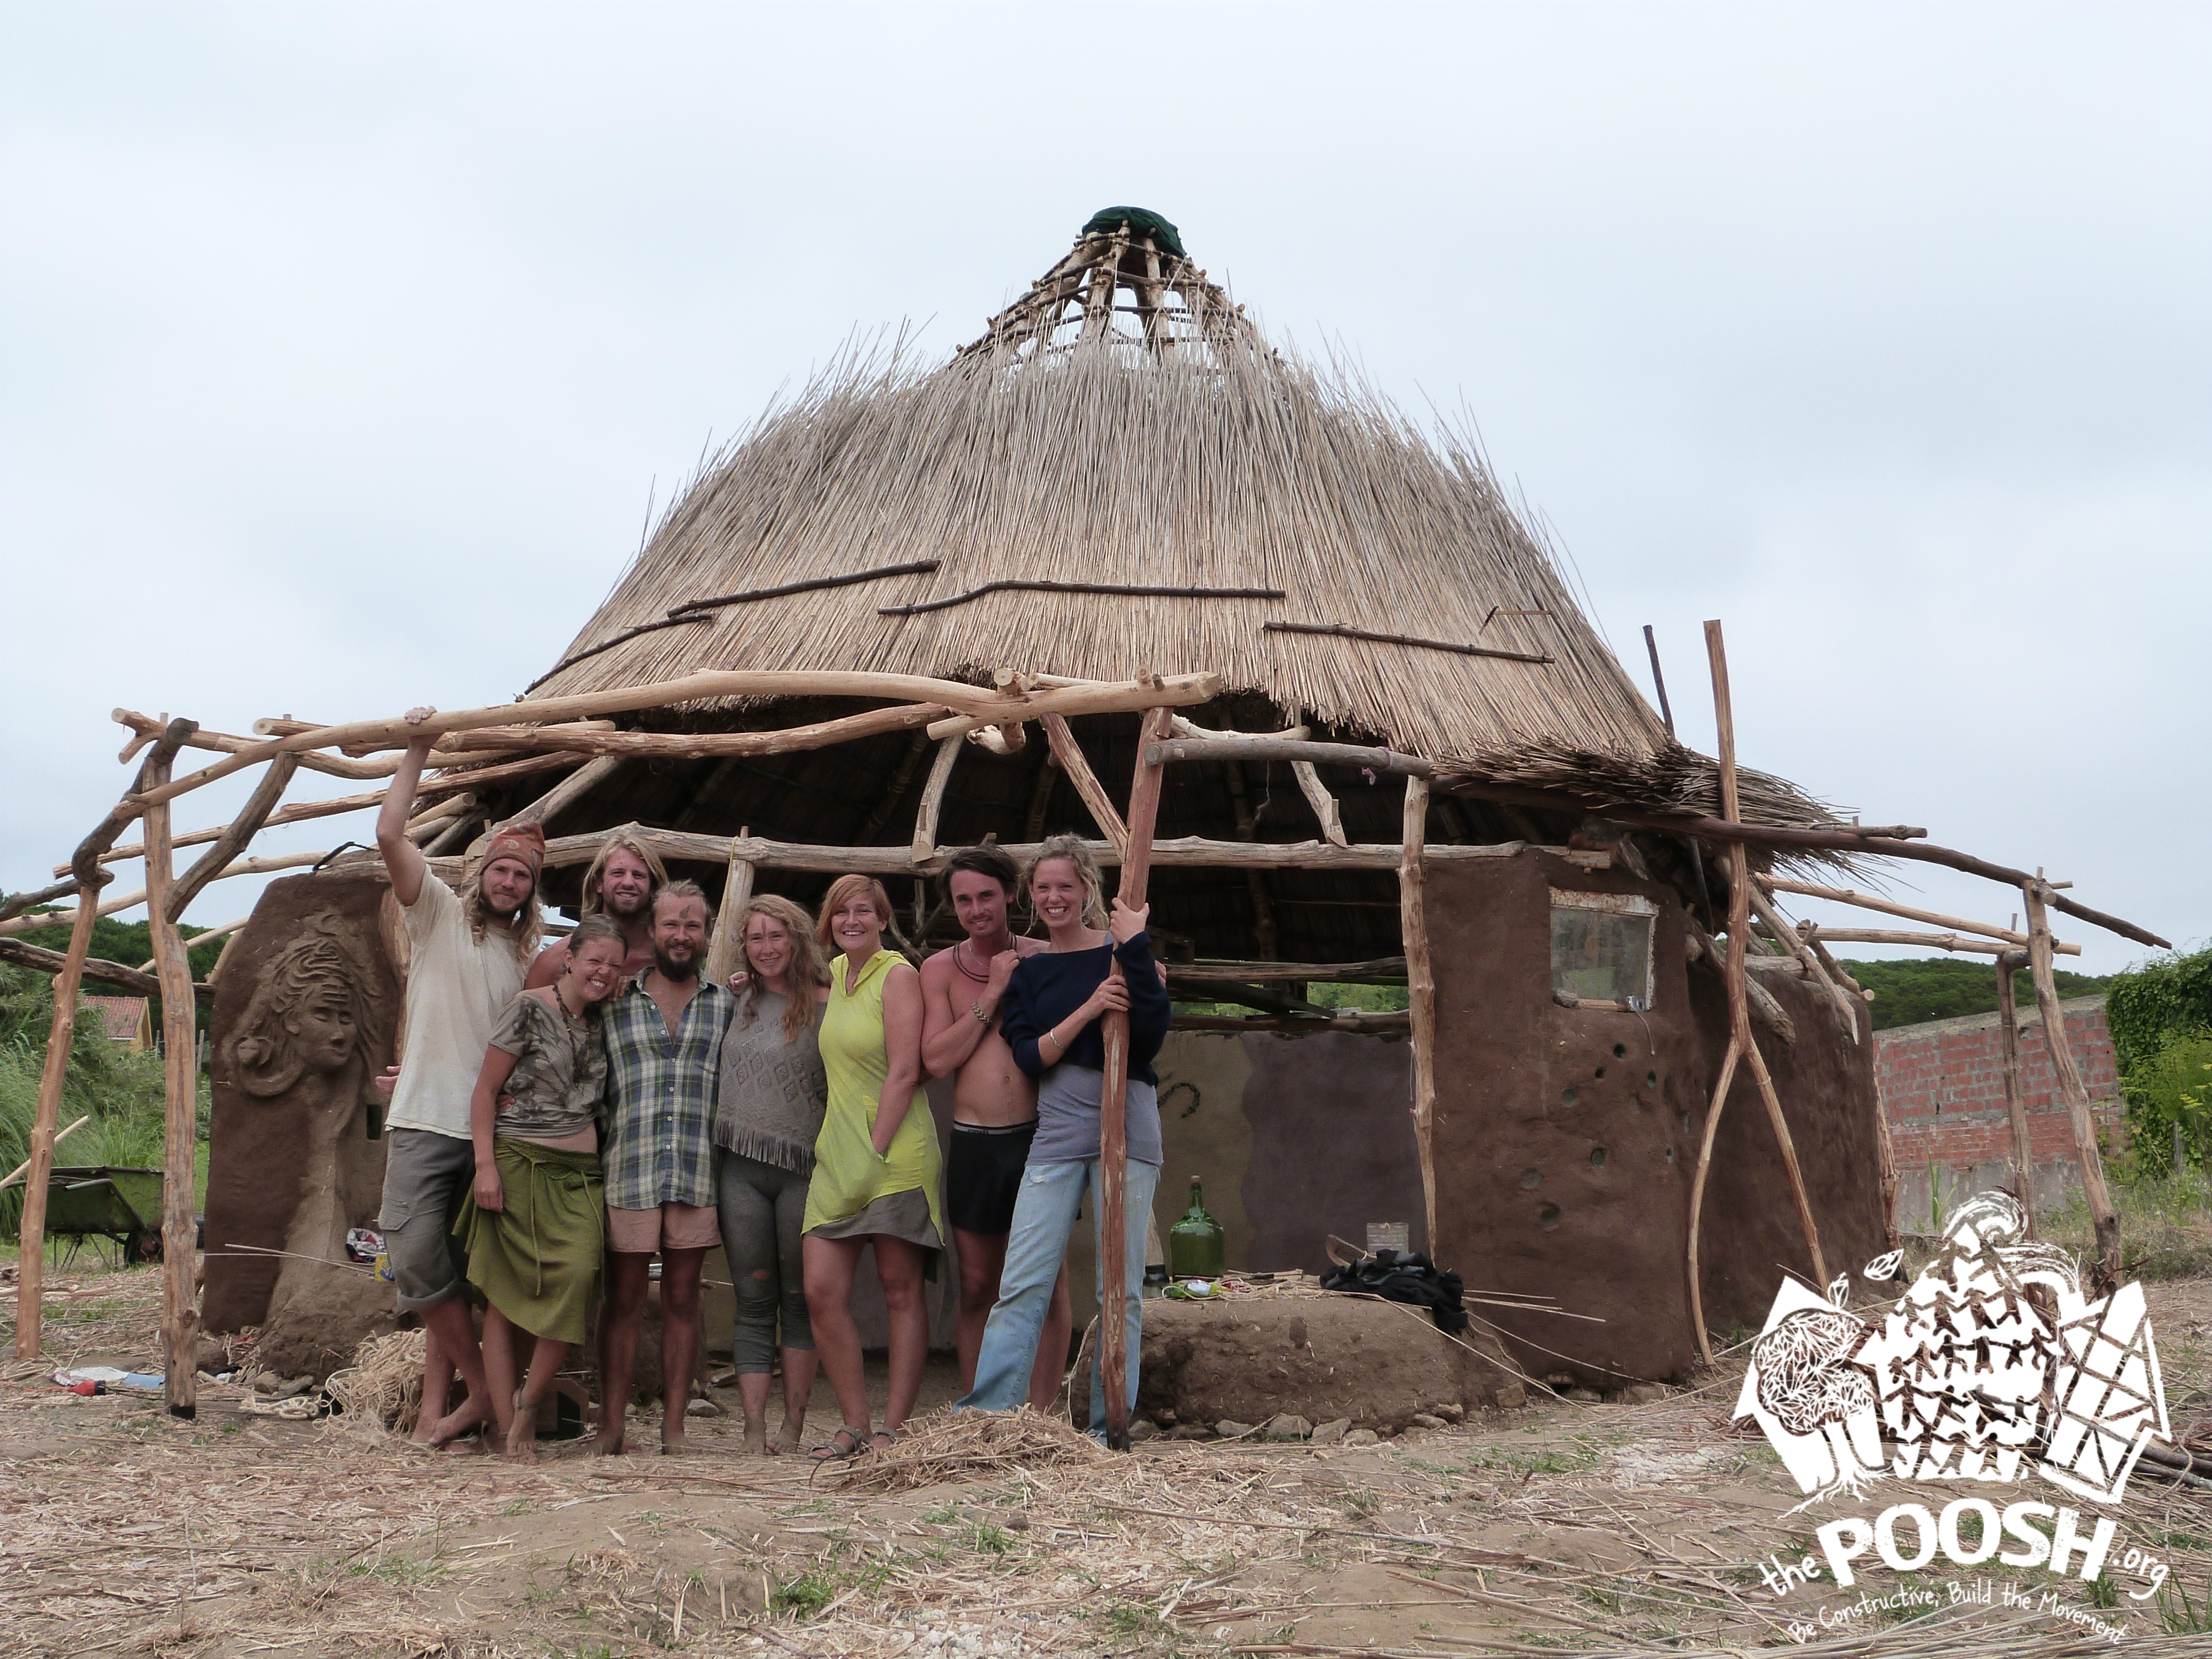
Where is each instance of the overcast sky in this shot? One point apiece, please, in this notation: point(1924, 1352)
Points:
point(344, 346)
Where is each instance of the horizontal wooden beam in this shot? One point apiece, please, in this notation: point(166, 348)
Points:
point(22, 923)
point(224, 743)
point(1839, 839)
point(1867, 902)
point(1106, 697)
point(1191, 852)
point(1382, 971)
point(112, 973)
point(1945, 941)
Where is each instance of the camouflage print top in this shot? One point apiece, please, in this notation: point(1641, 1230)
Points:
point(560, 1072)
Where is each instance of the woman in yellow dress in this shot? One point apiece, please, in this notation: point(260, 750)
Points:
point(876, 1163)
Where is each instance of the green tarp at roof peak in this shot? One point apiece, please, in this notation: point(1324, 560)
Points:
point(1142, 221)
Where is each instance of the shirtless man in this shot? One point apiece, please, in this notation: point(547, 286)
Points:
point(621, 882)
point(994, 1105)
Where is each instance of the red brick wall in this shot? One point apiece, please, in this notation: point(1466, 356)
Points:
point(1943, 1086)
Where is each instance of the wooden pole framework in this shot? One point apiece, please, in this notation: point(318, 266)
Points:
point(1742, 1046)
point(61, 1035)
point(2023, 1146)
point(181, 1314)
point(2037, 894)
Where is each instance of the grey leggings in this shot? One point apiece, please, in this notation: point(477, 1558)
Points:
point(761, 1209)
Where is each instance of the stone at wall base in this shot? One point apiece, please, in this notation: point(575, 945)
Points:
point(1362, 1438)
point(1332, 1434)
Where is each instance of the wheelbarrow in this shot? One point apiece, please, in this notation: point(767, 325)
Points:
point(107, 1202)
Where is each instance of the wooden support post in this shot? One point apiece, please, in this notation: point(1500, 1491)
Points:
point(1743, 1047)
point(933, 797)
point(1070, 756)
point(728, 947)
point(61, 1034)
point(180, 1313)
point(1113, 1109)
point(1421, 992)
point(1323, 804)
point(2105, 1218)
point(2023, 1147)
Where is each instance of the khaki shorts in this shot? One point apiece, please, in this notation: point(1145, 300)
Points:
point(667, 1227)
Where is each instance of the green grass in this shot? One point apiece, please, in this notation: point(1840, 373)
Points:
point(2165, 1225)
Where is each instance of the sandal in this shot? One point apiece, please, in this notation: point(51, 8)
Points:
point(883, 1439)
point(855, 1440)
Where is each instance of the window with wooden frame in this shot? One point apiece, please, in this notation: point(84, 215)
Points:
point(1602, 947)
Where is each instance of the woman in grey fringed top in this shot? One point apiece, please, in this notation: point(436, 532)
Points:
point(767, 1111)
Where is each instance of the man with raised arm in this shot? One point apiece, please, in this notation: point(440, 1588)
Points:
point(663, 1037)
point(621, 882)
point(994, 1108)
point(467, 953)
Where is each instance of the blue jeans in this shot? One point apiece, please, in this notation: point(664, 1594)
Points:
point(1045, 1216)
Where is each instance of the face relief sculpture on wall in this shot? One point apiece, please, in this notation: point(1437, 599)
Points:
point(308, 1045)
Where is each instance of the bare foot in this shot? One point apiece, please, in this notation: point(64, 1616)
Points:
point(522, 1434)
point(756, 1436)
point(791, 1436)
point(671, 1445)
point(456, 1422)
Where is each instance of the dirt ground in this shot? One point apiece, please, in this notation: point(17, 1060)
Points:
point(1567, 1526)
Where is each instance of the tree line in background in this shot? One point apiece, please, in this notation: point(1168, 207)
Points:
point(1912, 990)
point(2161, 1015)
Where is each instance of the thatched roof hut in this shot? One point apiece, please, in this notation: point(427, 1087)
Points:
point(1121, 475)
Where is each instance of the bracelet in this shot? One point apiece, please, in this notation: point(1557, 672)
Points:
point(976, 1009)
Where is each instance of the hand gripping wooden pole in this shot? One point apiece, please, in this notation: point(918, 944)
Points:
point(180, 1312)
point(62, 1034)
point(1742, 1048)
point(1113, 1107)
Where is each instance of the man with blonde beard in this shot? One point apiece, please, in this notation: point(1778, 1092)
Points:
point(467, 953)
point(621, 883)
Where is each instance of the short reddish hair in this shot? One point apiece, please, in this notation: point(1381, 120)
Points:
point(841, 892)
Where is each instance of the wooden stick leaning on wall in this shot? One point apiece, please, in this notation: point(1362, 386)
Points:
point(2023, 1145)
point(1846, 1006)
point(1421, 992)
point(1112, 1110)
point(2102, 1215)
point(728, 948)
point(1742, 1046)
point(933, 797)
point(62, 1034)
point(180, 1315)
point(1065, 750)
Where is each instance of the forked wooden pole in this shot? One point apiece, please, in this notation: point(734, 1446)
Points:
point(728, 947)
point(1420, 993)
point(2104, 1218)
point(1741, 1044)
point(2023, 1147)
point(1698, 1192)
point(180, 1313)
point(61, 1035)
point(1113, 1109)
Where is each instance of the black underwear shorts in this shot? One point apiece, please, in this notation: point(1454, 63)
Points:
point(984, 1176)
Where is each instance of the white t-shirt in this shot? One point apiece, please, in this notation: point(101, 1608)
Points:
point(457, 988)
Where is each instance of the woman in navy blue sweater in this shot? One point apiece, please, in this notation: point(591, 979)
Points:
point(1051, 1020)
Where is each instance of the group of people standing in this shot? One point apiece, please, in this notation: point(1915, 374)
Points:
point(560, 1116)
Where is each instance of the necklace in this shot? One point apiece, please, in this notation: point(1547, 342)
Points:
point(983, 978)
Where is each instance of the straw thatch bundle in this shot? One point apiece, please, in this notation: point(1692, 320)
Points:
point(383, 1387)
point(1063, 448)
point(971, 1446)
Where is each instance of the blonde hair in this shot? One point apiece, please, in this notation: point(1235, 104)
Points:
point(526, 927)
point(809, 967)
point(1073, 849)
point(595, 877)
point(596, 926)
point(840, 894)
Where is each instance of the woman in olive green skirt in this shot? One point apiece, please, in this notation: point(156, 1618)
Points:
point(535, 1222)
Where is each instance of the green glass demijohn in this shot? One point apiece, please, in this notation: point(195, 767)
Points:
point(1197, 1247)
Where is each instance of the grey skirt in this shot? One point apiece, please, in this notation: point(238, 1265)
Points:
point(895, 1215)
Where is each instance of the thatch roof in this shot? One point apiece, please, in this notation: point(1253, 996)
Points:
point(1159, 444)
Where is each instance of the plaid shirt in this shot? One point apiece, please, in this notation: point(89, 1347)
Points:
point(660, 1098)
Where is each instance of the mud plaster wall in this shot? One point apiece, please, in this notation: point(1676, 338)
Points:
point(1826, 1083)
point(1564, 1138)
point(297, 1161)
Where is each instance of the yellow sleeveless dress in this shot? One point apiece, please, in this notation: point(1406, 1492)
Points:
point(854, 1192)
